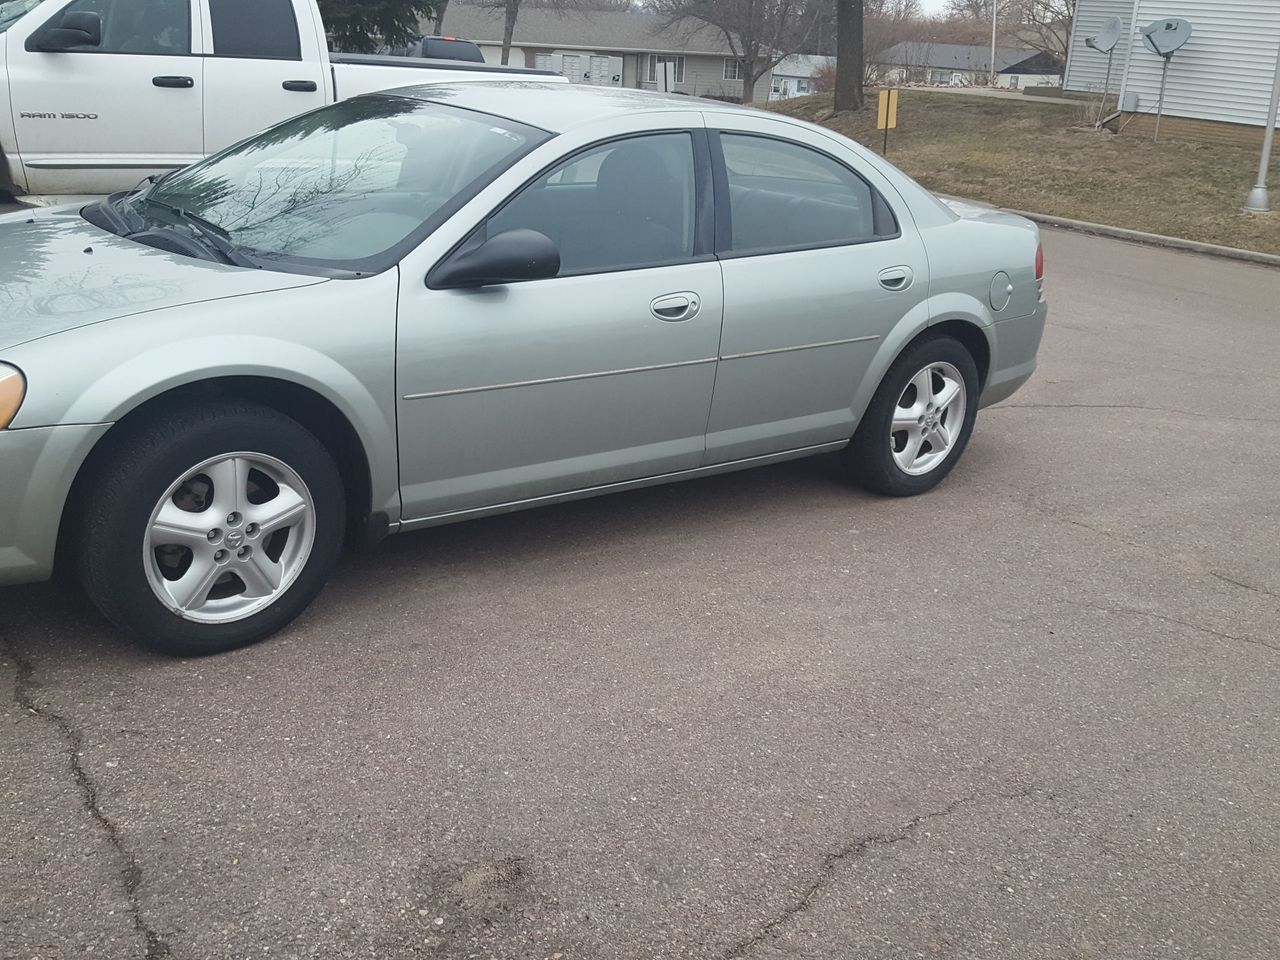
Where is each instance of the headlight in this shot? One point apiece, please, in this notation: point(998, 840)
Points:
point(13, 387)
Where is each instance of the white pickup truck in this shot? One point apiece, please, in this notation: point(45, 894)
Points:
point(97, 94)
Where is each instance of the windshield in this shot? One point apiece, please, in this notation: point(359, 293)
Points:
point(348, 186)
point(11, 11)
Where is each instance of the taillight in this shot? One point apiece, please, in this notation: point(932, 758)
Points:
point(1040, 262)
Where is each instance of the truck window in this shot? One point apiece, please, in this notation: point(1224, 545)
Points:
point(255, 29)
point(157, 27)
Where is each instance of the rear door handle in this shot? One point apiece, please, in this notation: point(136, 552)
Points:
point(300, 86)
point(675, 307)
point(896, 278)
point(182, 83)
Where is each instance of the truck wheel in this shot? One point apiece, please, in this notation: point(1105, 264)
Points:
point(210, 528)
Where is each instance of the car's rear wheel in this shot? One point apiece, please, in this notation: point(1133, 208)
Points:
point(919, 421)
point(211, 528)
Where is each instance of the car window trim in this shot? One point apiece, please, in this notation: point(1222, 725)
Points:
point(724, 213)
point(703, 217)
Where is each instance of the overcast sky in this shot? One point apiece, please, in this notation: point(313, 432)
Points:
point(933, 6)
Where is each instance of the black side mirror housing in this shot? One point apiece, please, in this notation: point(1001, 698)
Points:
point(79, 28)
point(508, 257)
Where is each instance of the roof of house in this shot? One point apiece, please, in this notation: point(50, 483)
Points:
point(801, 65)
point(953, 56)
point(602, 30)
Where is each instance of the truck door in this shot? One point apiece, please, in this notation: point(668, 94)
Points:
point(268, 64)
point(97, 117)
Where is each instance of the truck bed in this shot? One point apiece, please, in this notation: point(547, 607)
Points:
point(355, 74)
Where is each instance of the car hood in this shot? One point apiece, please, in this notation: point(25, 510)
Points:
point(59, 272)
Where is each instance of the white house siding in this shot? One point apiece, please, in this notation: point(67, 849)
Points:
point(704, 77)
point(1087, 69)
point(1223, 73)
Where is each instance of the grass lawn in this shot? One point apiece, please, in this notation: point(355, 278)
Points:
point(1042, 157)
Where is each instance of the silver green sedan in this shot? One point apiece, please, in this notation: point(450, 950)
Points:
point(450, 301)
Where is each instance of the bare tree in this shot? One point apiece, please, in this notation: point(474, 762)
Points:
point(1045, 25)
point(849, 55)
point(885, 24)
point(759, 33)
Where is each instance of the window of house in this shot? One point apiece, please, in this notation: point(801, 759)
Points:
point(783, 195)
point(732, 69)
point(161, 29)
point(655, 61)
point(255, 29)
point(622, 205)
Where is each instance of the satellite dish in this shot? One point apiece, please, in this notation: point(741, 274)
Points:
point(1106, 38)
point(1165, 36)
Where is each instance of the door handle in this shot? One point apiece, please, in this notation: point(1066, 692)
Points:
point(182, 83)
point(896, 278)
point(300, 86)
point(675, 307)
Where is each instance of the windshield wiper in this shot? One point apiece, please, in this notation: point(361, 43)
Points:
point(216, 237)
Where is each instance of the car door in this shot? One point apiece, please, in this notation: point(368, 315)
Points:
point(818, 267)
point(94, 119)
point(266, 65)
point(599, 375)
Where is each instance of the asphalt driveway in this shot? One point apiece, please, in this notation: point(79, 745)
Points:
point(1033, 714)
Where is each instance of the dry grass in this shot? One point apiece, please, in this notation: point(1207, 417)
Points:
point(1041, 157)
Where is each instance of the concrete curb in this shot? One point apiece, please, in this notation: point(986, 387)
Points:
point(1153, 239)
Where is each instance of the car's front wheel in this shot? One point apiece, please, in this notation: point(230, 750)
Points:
point(210, 528)
point(919, 421)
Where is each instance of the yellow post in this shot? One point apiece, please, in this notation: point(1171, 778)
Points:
point(887, 114)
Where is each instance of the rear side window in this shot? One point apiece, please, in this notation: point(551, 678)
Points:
point(785, 196)
point(255, 29)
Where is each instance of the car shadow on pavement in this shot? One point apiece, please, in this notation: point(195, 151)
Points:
point(55, 623)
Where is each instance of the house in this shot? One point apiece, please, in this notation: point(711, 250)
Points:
point(611, 47)
point(793, 76)
point(1219, 84)
point(965, 65)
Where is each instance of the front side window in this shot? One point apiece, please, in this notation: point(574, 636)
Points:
point(655, 66)
point(732, 69)
point(348, 186)
point(784, 196)
point(255, 29)
point(156, 27)
point(622, 205)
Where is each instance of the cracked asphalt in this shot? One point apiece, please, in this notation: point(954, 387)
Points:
point(1033, 714)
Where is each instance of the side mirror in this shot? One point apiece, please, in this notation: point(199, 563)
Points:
point(79, 28)
point(508, 257)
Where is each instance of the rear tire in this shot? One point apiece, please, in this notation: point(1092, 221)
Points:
point(210, 528)
point(919, 421)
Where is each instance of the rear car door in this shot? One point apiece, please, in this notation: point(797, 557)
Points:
point(95, 119)
point(267, 64)
point(600, 375)
point(818, 267)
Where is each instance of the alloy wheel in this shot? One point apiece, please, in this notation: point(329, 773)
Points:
point(229, 537)
point(928, 419)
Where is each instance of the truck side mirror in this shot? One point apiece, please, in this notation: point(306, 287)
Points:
point(79, 28)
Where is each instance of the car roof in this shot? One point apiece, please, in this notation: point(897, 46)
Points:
point(554, 107)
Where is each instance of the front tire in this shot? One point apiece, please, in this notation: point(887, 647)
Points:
point(210, 528)
point(919, 421)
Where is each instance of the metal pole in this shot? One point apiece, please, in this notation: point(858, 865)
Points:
point(994, 6)
point(1259, 200)
point(1164, 75)
point(1106, 85)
